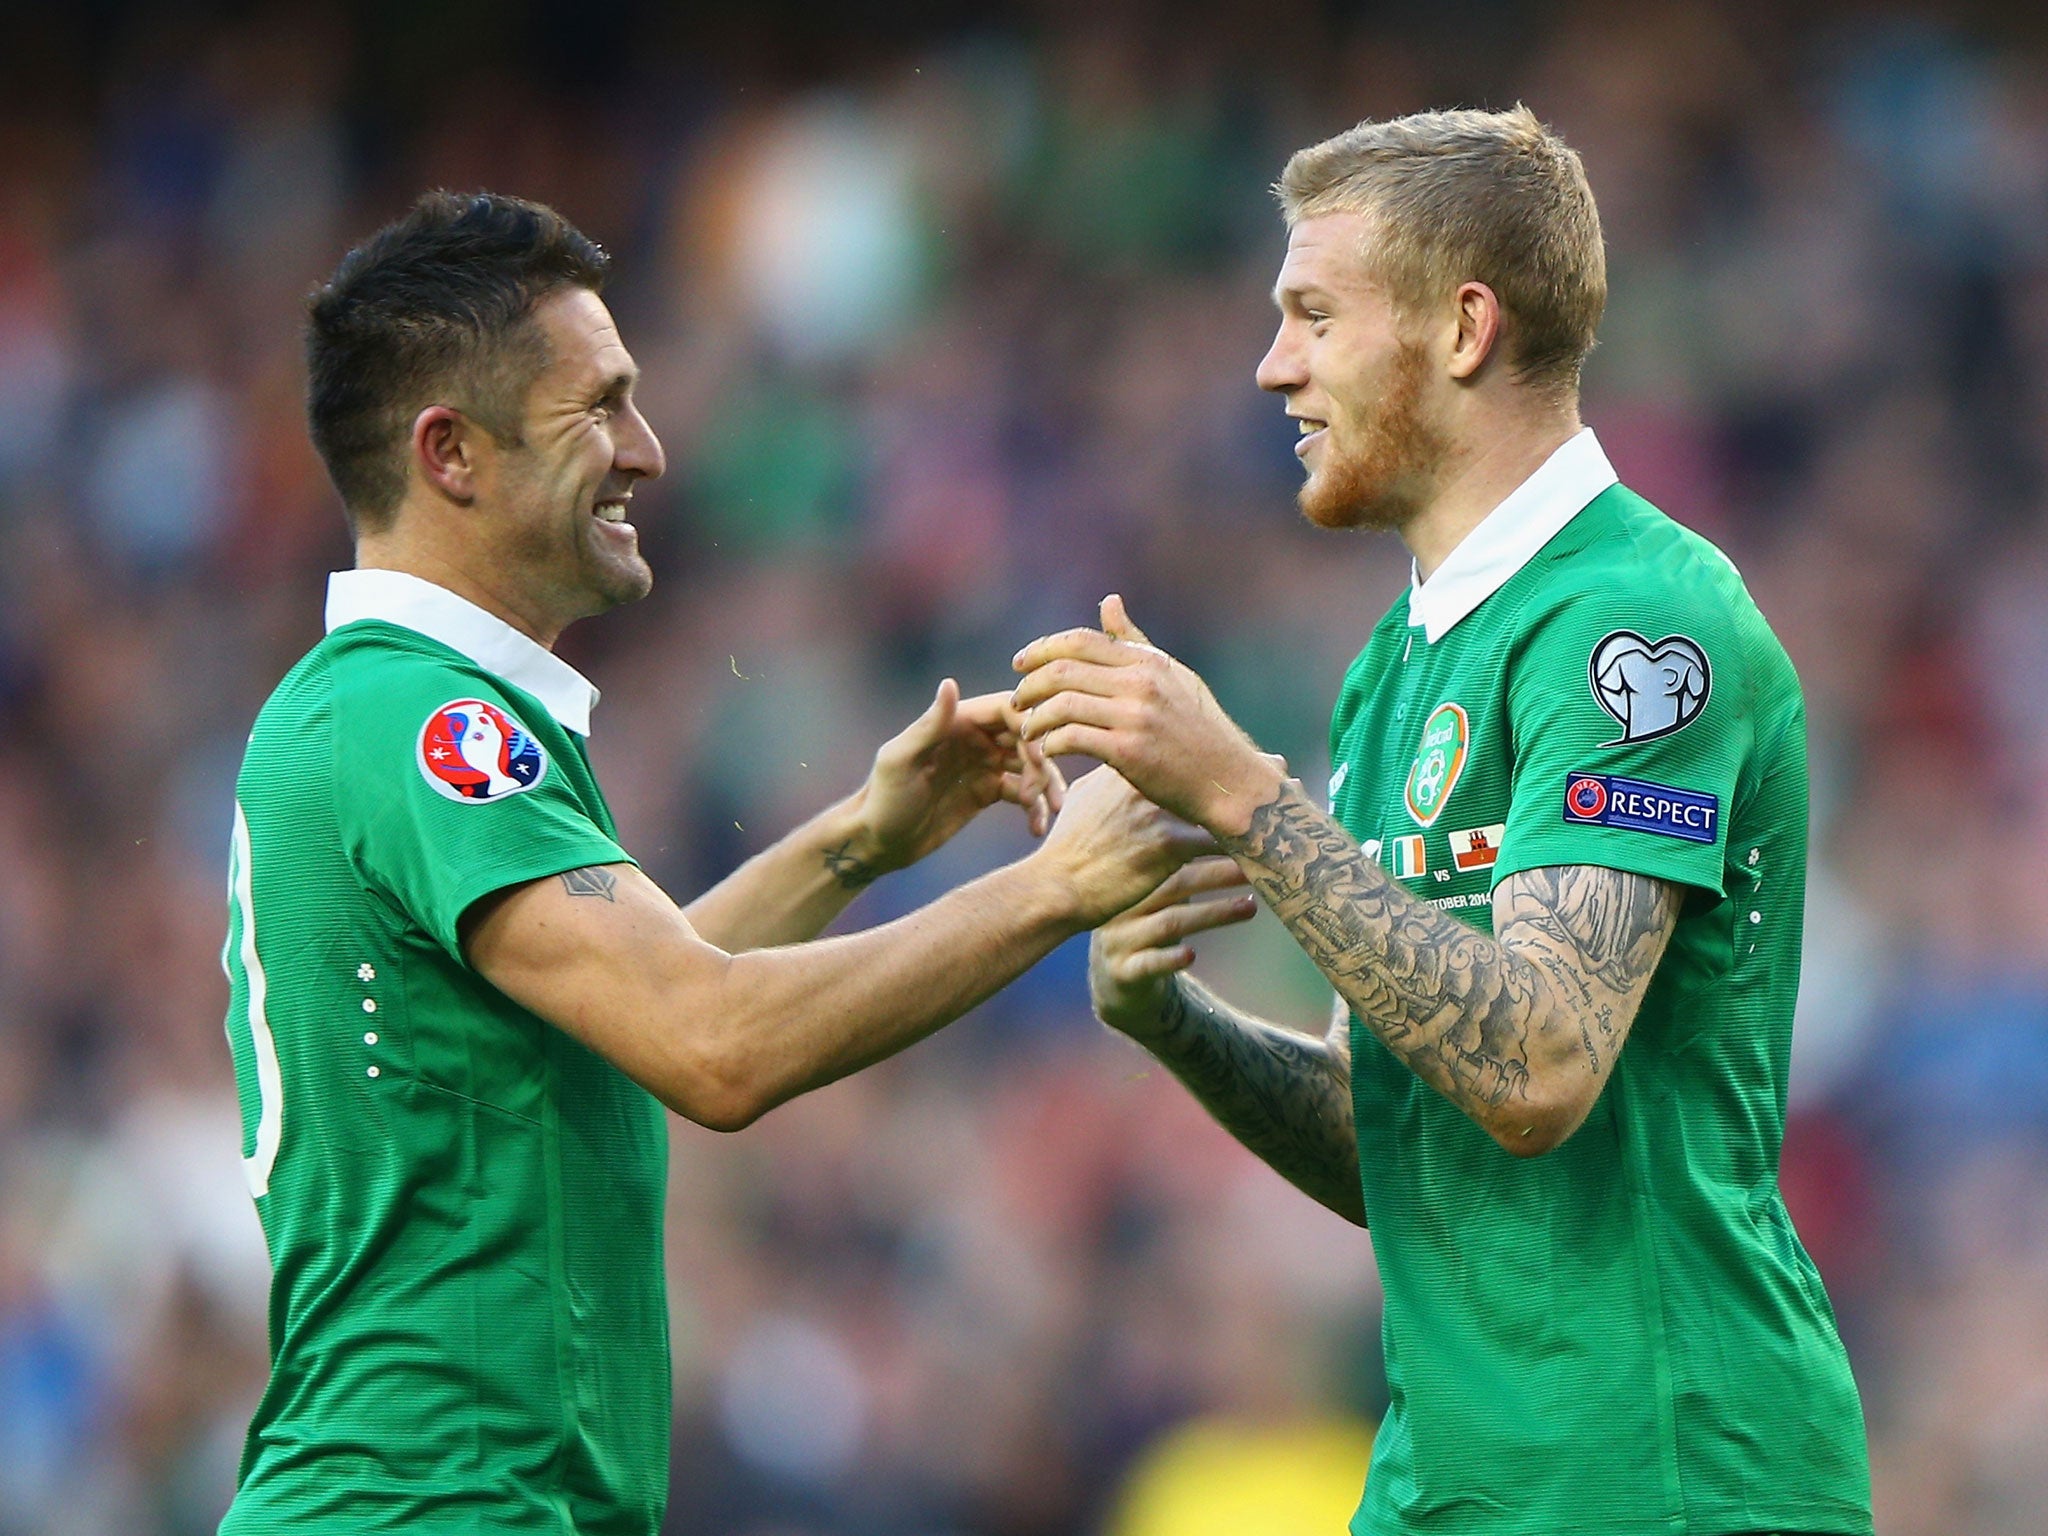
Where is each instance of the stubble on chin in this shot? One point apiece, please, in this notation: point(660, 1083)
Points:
point(618, 582)
point(1377, 484)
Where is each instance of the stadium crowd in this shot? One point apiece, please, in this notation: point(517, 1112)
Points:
point(948, 333)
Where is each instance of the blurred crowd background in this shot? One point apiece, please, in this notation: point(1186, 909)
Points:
point(949, 329)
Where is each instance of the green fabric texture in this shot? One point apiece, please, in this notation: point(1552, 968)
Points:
point(1622, 1336)
point(464, 1206)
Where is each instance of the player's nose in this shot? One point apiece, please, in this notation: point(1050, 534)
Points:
point(1280, 370)
point(635, 448)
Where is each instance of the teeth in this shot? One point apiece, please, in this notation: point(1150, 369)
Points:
point(1308, 425)
point(610, 511)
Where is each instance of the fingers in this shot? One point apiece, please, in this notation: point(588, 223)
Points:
point(1080, 740)
point(1172, 925)
point(1191, 842)
point(1076, 709)
point(929, 728)
point(1043, 787)
point(1035, 782)
point(1143, 964)
point(1117, 623)
point(1029, 792)
point(1080, 645)
point(939, 718)
point(1196, 877)
point(990, 713)
point(1141, 945)
point(1055, 781)
point(1040, 788)
point(1068, 676)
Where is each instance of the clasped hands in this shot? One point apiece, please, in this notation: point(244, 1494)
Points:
point(940, 771)
point(1112, 695)
point(1109, 694)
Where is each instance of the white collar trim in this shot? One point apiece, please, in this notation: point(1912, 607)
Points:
point(1509, 536)
point(419, 605)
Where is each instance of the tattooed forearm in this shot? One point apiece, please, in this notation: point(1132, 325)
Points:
point(1520, 1029)
point(592, 881)
point(1442, 997)
point(848, 868)
point(1286, 1096)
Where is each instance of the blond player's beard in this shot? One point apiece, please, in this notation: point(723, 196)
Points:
point(1376, 483)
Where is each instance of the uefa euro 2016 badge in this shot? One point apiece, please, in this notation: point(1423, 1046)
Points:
point(1439, 759)
point(472, 751)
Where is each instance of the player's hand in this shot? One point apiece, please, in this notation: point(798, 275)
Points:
point(932, 778)
point(1111, 847)
point(1133, 958)
point(1112, 695)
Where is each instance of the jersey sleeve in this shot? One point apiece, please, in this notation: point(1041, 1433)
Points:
point(455, 795)
point(1630, 720)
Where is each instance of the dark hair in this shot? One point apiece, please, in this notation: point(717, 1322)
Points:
point(437, 304)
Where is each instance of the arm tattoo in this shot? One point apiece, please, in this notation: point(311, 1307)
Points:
point(848, 868)
point(1286, 1096)
point(1597, 934)
point(1479, 1018)
point(594, 880)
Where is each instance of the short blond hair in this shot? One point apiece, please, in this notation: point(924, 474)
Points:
point(1467, 196)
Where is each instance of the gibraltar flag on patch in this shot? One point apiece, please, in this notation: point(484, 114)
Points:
point(1477, 849)
point(1405, 858)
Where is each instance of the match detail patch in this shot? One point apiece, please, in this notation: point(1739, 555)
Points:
point(1603, 800)
point(1651, 687)
point(1406, 857)
point(1478, 848)
point(471, 750)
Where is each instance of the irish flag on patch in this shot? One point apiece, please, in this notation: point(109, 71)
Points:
point(1478, 848)
point(1404, 858)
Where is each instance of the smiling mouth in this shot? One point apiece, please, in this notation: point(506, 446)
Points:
point(611, 511)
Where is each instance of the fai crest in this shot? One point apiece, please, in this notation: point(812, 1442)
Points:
point(471, 750)
point(1439, 759)
point(1652, 688)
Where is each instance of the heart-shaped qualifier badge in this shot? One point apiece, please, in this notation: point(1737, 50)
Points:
point(1651, 687)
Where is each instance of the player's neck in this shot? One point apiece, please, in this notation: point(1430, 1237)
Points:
point(1478, 475)
point(391, 551)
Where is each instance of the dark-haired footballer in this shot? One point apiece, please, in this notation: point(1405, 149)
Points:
point(457, 1006)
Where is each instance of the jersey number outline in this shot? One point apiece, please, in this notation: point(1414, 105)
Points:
point(257, 1165)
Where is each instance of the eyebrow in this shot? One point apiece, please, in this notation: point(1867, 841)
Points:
point(618, 384)
point(1299, 294)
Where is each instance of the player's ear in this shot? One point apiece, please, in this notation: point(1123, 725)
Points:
point(444, 451)
point(1477, 311)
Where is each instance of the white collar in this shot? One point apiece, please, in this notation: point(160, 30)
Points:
point(434, 611)
point(1509, 536)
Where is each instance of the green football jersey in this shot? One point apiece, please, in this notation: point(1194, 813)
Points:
point(468, 1321)
point(1622, 1336)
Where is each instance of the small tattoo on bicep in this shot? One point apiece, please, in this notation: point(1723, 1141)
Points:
point(591, 881)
